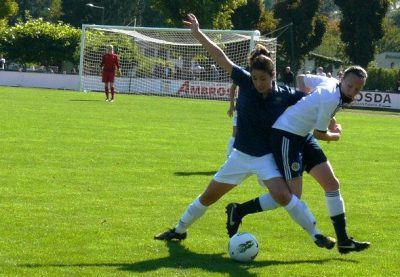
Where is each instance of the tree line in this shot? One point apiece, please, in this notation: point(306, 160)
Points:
point(52, 26)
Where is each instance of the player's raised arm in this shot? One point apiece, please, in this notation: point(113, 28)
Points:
point(213, 49)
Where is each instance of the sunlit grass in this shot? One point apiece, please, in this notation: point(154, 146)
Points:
point(86, 184)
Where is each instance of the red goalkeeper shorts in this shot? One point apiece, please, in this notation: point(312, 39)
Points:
point(108, 77)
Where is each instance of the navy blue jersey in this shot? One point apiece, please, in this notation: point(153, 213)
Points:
point(257, 114)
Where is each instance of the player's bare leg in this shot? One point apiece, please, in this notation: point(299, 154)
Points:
point(106, 90)
point(112, 91)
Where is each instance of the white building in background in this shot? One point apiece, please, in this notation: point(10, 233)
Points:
point(313, 60)
point(388, 60)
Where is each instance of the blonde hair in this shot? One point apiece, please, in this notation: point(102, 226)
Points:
point(110, 48)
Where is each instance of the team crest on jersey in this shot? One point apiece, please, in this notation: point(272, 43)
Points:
point(295, 166)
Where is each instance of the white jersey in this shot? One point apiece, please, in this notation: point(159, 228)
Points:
point(312, 81)
point(313, 111)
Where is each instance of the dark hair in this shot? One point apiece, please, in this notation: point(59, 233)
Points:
point(356, 70)
point(260, 59)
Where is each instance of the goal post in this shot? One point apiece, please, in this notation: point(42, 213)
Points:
point(165, 61)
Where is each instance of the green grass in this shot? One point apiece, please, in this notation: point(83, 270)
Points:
point(84, 186)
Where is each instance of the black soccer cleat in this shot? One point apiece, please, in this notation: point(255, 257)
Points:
point(171, 235)
point(324, 242)
point(351, 245)
point(233, 220)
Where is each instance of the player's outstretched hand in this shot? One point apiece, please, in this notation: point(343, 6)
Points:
point(191, 22)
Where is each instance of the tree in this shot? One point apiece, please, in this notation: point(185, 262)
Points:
point(77, 13)
point(267, 22)
point(390, 42)
point(331, 45)
point(40, 42)
point(8, 8)
point(54, 12)
point(247, 16)
point(269, 4)
point(211, 14)
point(361, 27)
point(328, 6)
point(395, 4)
point(253, 16)
point(394, 15)
point(308, 29)
point(124, 12)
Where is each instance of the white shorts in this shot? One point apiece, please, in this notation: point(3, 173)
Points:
point(234, 119)
point(239, 166)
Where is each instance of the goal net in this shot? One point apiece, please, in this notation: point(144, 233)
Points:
point(165, 61)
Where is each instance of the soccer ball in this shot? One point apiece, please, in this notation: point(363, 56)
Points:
point(243, 247)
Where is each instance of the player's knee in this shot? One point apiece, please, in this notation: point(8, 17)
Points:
point(207, 199)
point(210, 195)
point(336, 183)
point(282, 197)
point(332, 185)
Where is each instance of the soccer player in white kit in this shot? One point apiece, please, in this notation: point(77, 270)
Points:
point(317, 165)
point(259, 104)
point(312, 113)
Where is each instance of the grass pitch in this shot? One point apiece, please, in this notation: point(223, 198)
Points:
point(85, 184)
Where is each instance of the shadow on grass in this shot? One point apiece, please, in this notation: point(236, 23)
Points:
point(84, 100)
point(204, 173)
point(181, 257)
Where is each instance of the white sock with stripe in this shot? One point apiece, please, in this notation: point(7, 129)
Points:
point(335, 203)
point(300, 213)
point(192, 213)
point(267, 202)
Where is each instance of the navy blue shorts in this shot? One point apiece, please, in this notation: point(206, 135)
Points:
point(312, 153)
point(287, 149)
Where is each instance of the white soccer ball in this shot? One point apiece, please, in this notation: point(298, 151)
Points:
point(243, 247)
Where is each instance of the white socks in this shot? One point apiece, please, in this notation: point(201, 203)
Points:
point(300, 213)
point(192, 213)
point(267, 202)
point(335, 203)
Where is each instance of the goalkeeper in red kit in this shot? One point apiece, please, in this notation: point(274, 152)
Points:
point(109, 68)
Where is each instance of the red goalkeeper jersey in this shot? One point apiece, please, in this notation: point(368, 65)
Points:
point(109, 62)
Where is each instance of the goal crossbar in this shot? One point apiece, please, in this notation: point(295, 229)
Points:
point(165, 61)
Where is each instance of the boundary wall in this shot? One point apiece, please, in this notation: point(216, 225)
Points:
point(376, 100)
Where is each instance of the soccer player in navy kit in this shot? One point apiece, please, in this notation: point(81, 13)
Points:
point(233, 93)
point(109, 66)
point(258, 106)
point(313, 159)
